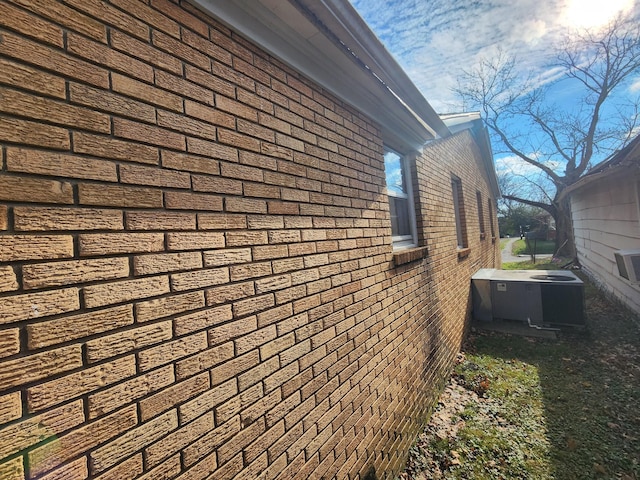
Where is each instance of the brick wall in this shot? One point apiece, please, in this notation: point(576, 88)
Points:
point(196, 275)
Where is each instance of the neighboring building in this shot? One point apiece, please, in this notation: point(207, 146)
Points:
point(605, 209)
point(202, 272)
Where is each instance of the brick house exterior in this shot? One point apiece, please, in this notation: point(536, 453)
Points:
point(197, 273)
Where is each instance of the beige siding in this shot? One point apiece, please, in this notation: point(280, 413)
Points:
point(606, 218)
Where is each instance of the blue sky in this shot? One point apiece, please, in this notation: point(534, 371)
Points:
point(434, 40)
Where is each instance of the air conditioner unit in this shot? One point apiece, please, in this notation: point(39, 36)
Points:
point(629, 264)
point(538, 297)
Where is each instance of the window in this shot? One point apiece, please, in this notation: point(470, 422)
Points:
point(401, 207)
point(480, 214)
point(458, 206)
point(493, 229)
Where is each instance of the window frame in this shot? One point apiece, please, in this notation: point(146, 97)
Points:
point(401, 242)
point(458, 207)
point(480, 215)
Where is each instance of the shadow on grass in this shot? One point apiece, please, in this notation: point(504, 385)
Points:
point(590, 387)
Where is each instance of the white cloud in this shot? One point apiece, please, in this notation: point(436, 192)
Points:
point(635, 86)
point(434, 40)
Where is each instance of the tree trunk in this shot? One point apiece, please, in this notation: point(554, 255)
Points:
point(565, 243)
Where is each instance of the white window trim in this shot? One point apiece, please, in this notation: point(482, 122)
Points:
point(402, 242)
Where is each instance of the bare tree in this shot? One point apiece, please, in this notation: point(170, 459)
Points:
point(559, 145)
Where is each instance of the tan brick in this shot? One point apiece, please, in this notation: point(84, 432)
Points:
point(141, 175)
point(30, 25)
point(35, 247)
point(25, 189)
point(211, 441)
point(218, 258)
point(142, 91)
point(250, 270)
point(236, 108)
point(172, 396)
point(221, 221)
point(190, 163)
point(226, 332)
point(108, 14)
point(195, 240)
point(274, 315)
point(187, 125)
point(108, 147)
point(4, 222)
point(76, 470)
point(145, 52)
point(172, 351)
point(183, 87)
point(40, 219)
point(24, 76)
point(37, 305)
point(211, 82)
point(12, 470)
point(255, 339)
point(268, 252)
point(228, 449)
point(165, 471)
point(113, 398)
point(181, 50)
point(238, 140)
point(204, 361)
point(114, 243)
point(273, 283)
point(199, 279)
point(10, 407)
point(149, 15)
point(126, 469)
point(111, 103)
point(181, 16)
point(48, 394)
point(8, 281)
point(160, 221)
point(14, 102)
point(169, 305)
point(39, 366)
point(245, 205)
point(148, 134)
point(253, 305)
point(240, 239)
point(226, 293)
point(10, 342)
point(132, 441)
point(68, 17)
point(227, 186)
point(20, 48)
point(212, 149)
point(108, 57)
point(35, 429)
point(192, 201)
point(166, 262)
point(64, 329)
point(209, 114)
point(126, 290)
point(119, 196)
point(201, 320)
point(59, 165)
point(127, 341)
point(41, 275)
point(179, 439)
point(261, 190)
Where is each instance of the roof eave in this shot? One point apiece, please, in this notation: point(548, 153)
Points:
point(329, 43)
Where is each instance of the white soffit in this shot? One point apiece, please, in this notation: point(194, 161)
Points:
point(283, 30)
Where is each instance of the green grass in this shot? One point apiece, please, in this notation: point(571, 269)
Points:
point(541, 247)
point(565, 409)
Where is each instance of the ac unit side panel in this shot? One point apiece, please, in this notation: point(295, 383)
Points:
point(513, 300)
point(563, 305)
